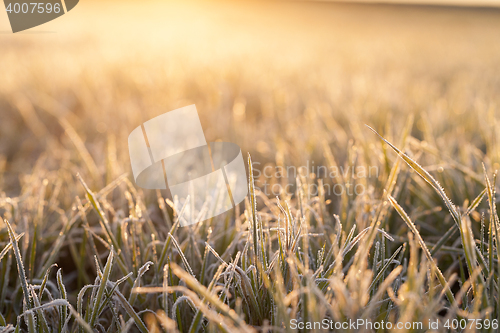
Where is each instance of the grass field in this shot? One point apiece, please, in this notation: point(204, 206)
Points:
point(293, 84)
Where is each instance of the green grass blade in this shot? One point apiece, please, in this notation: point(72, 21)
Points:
point(20, 266)
point(414, 230)
point(385, 267)
point(102, 287)
point(63, 310)
point(427, 177)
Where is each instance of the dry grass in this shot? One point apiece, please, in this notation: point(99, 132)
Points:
point(289, 83)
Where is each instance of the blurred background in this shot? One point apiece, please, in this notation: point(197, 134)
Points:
point(293, 84)
point(281, 79)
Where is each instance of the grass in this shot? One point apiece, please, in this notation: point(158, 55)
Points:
point(83, 249)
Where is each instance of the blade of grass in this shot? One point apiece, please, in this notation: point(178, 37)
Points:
point(494, 225)
point(427, 177)
point(465, 233)
point(43, 326)
point(102, 286)
point(63, 310)
point(163, 255)
point(385, 267)
point(253, 205)
point(137, 282)
point(20, 266)
point(414, 230)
